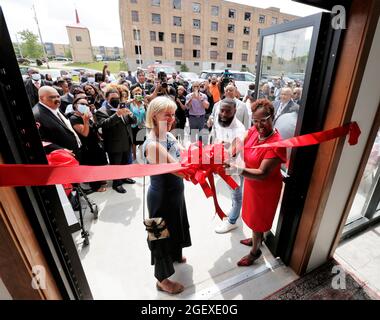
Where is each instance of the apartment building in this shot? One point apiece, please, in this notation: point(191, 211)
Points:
point(108, 52)
point(203, 34)
point(56, 49)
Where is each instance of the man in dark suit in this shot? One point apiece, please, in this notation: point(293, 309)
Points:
point(33, 84)
point(115, 120)
point(141, 82)
point(55, 129)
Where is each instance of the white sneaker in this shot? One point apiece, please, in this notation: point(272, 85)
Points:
point(225, 226)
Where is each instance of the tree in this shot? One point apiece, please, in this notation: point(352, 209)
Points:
point(68, 54)
point(184, 68)
point(30, 46)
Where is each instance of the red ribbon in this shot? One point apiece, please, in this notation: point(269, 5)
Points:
point(198, 165)
point(201, 163)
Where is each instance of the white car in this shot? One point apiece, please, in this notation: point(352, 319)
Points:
point(242, 78)
point(54, 73)
point(189, 76)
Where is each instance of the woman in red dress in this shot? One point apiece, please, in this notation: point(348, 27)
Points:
point(263, 179)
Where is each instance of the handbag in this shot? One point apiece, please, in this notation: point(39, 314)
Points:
point(156, 227)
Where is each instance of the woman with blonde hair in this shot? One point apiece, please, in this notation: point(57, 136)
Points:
point(165, 197)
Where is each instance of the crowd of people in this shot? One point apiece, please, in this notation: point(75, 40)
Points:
point(106, 120)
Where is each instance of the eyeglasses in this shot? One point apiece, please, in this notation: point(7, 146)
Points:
point(261, 121)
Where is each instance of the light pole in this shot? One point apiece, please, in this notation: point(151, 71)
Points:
point(138, 45)
point(42, 43)
point(19, 47)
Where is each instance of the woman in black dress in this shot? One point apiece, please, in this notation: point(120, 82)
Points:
point(166, 194)
point(92, 152)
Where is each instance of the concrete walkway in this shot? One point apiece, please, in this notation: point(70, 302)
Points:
point(117, 261)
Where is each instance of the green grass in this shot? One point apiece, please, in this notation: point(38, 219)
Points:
point(113, 66)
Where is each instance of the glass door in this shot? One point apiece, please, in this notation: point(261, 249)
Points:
point(366, 205)
point(295, 68)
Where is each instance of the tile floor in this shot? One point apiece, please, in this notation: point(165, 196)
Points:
point(361, 255)
point(117, 261)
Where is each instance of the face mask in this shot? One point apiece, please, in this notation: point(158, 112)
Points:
point(36, 76)
point(115, 102)
point(82, 108)
point(91, 80)
point(139, 98)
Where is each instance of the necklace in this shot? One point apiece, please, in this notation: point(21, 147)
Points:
point(271, 134)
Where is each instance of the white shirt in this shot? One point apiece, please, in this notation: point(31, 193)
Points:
point(63, 119)
point(227, 135)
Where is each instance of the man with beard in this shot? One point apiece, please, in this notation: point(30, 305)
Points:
point(227, 129)
point(214, 89)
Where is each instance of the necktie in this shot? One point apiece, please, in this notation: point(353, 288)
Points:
point(68, 125)
point(280, 109)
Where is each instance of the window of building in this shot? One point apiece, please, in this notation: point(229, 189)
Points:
point(160, 36)
point(229, 65)
point(136, 34)
point(231, 28)
point(244, 57)
point(258, 31)
point(213, 54)
point(152, 36)
point(181, 38)
point(78, 38)
point(247, 16)
point(214, 26)
point(139, 62)
point(245, 45)
point(156, 18)
point(214, 41)
point(174, 38)
point(158, 61)
point(176, 4)
point(231, 13)
point(155, 3)
point(229, 55)
point(157, 51)
point(137, 49)
point(196, 7)
point(274, 20)
point(196, 40)
point(177, 21)
point(215, 11)
point(177, 52)
point(246, 30)
point(135, 16)
point(196, 64)
point(178, 63)
point(196, 24)
point(133, 1)
point(261, 19)
point(230, 43)
point(196, 53)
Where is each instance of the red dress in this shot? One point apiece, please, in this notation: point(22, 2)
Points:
point(260, 198)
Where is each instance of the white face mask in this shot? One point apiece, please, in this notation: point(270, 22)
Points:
point(82, 108)
point(36, 76)
point(91, 80)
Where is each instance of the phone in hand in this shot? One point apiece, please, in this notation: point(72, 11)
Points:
point(122, 105)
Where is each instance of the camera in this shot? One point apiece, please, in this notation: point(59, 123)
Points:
point(227, 77)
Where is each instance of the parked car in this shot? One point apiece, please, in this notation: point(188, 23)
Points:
point(189, 76)
point(61, 59)
point(242, 78)
point(155, 68)
point(54, 73)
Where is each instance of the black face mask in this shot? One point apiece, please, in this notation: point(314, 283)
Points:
point(115, 102)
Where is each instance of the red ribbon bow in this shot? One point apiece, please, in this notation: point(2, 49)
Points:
point(201, 162)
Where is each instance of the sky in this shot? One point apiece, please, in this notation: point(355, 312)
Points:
point(101, 17)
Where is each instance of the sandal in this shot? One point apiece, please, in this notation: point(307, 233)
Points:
point(247, 242)
point(101, 189)
point(249, 259)
point(172, 287)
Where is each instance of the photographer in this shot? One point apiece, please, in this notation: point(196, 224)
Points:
point(115, 119)
point(162, 88)
point(196, 103)
point(92, 152)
